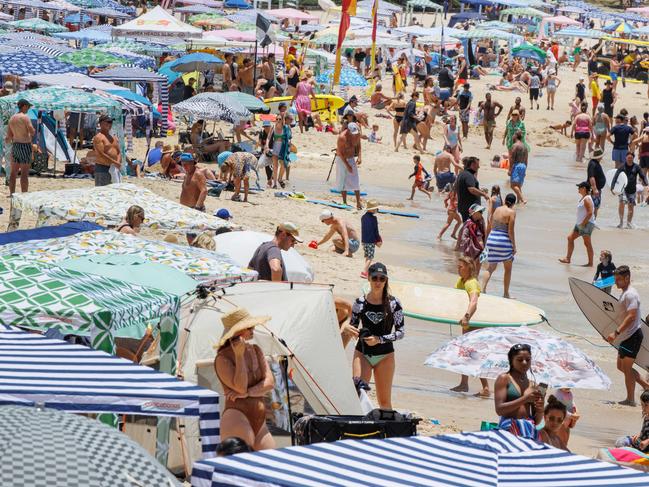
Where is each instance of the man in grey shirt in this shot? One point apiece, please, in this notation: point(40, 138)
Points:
point(267, 259)
point(628, 334)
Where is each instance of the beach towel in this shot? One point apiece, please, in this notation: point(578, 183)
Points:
point(525, 428)
point(499, 246)
point(627, 455)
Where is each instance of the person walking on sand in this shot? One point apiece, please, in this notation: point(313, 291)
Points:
point(108, 155)
point(596, 177)
point(468, 187)
point(467, 281)
point(628, 196)
point(453, 138)
point(490, 110)
point(464, 99)
point(517, 107)
point(379, 316)
point(450, 202)
point(370, 237)
point(442, 168)
point(601, 127)
point(20, 133)
point(348, 158)
point(584, 226)
point(514, 124)
point(420, 182)
point(347, 242)
point(620, 136)
point(518, 157)
point(582, 129)
point(628, 334)
point(501, 242)
point(409, 124)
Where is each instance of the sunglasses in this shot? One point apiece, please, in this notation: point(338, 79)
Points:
point(522, 346)
point(378, 278)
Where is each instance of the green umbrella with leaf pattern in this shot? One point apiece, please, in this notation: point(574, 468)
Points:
point(91, 57)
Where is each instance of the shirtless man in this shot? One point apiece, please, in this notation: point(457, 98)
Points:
point(347, 242)
point(194, 188)
point(442, 168)
point(20, 133)
point(348, 158)
point(107, 152)
point(267, 80)
point(517, 106)
point(245, 76)
point(614, 71)
point(226, 72)
point(490, 110)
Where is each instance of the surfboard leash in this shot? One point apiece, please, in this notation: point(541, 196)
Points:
point(575, 335)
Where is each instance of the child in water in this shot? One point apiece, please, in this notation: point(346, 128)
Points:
point(450, 202)
point(420, 182)
point(605, 268)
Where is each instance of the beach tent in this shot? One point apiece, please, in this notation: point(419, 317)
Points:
point(51, 138)
point(96, 34)
point(78, 379)
point(108, 12)
point(303, 326)
point(37, 25)
point(240, 247)
point(196, 9)
point(59, 99)
point(490, 458)
point(71, 80)
point(43, 233)
point(129, 75)
point(107, 205)
point(583, 33)
point(556, 22)
point(157, 22)
point(206, 267)
point(411, 5)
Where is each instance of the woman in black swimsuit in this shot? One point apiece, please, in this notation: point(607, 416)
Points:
point(398, 106)
point(132, 221)
point(293, 78)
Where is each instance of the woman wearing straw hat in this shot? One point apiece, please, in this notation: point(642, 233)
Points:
point(246, 378)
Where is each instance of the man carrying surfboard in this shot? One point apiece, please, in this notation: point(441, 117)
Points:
point(628, 334)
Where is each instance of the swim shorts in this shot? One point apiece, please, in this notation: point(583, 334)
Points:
point(444, 94)
point(631, 346)
point(613, 76)
point(584, 231)
point(444, 178)
point(582, 135)
point(354, 245)
point(21, 152)
point(518, 173)
point(489, 124)
point(628, 198)
point(644, 162)
point(619, 155)
point(368, 250)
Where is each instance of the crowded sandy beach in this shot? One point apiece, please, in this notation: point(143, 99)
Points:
point(357, 244)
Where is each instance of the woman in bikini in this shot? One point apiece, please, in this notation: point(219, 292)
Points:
point(246, 378)
point(602, 125)
point(132, 221)
point(452, 138)
point(519, 402)
point(381, 317)
point(396, 109)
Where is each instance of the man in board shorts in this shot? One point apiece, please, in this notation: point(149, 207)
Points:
point(628, 333)
point(20, 133)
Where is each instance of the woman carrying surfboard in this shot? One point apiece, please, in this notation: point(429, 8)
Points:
point(380, 318)
point(467, 281)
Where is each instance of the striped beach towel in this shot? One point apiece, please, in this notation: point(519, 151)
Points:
point(499, 247)
point(525, 428)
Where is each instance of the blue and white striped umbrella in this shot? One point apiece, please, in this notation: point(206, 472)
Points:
point(37, 369)
point(348, 77)
point(484, 459)
point(27, 63)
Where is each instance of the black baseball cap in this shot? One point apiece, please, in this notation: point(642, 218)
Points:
point(377, 269)
point(106, 118)
point(22, 102)
point(584, 184)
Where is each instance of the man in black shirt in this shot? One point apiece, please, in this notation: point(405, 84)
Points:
point(445, 78)
point(609, 97)
point(468, 187)
point(633, 172)
point(580, 89)
point(596, 177)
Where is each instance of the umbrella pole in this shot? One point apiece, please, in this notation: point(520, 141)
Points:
point(284, 361)
point(254, 69)
point(76, 145)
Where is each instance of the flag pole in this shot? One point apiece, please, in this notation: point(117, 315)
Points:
point(254, 70)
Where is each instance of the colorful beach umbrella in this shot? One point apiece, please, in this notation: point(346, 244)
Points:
point(529, 51)
point(483, 353)
point(619, 28)
point(91, 57)
point(197, 61)
point(348, 77)
point(37, 25)
point(27, 63)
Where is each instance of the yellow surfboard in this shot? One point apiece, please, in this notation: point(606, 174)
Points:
point(619, 78)
point(326, 105)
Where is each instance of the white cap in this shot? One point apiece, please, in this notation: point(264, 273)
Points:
point(353, 128)
point(325, 215)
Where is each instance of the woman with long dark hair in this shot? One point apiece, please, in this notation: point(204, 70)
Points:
point(501, 242)
point(554, 432)
point(381, 317)
point(518, 401)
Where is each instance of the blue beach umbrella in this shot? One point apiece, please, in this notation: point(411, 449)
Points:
point(28, 63)
point(348, 77)
point(198, 61)
point(77, 18)
point(618, 28)
point(240, 4)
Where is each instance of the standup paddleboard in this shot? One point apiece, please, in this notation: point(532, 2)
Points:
point(603, 312)
point(447, 305)
point(349, 193)
point(620, 184)
point(338, 206)
point(326, 105)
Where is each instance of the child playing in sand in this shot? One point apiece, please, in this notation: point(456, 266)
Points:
point(500, 162)
point(374, 135)
point(450, 202)
point(370, 237)
point(641, 440)
point(562, 127)
point(605, 268)
point(420, 181)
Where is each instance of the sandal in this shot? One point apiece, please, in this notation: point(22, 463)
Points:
point(281, 183)
point(236, 197)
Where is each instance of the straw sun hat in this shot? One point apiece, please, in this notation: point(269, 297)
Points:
point(238, 320)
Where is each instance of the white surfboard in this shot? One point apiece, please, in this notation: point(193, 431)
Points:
point(620, 184)
point(603, 312)
point(447, 305)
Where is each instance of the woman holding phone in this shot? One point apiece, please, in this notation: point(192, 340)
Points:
point(246, 378)
point(518, 401)
point(381, 317)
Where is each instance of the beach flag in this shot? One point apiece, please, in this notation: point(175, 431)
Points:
point(264, 34)
point(347, 10)
point(372, 84)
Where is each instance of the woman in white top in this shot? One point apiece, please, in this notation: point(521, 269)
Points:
point(584, 226)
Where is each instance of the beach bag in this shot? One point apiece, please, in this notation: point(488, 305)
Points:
point(40, 162)
point(264, 161)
